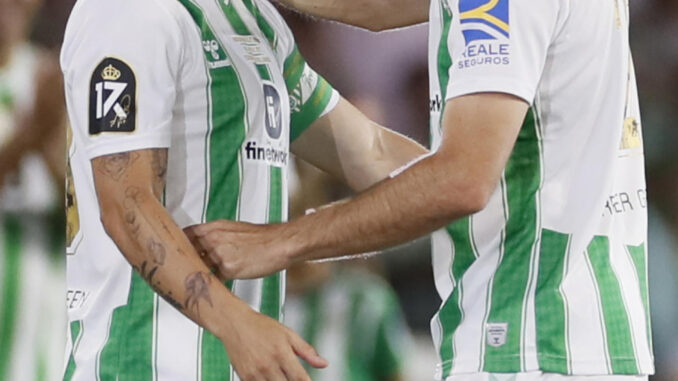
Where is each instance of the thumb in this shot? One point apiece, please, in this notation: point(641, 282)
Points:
point(307, 352)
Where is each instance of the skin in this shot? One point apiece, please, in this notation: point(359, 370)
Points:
point(129, 186)
point(374, 15)
point(479, 132)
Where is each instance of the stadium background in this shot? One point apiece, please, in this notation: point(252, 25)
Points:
point(386, 76)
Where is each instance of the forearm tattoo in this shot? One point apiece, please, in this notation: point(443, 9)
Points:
point(139, 225)
point(117, 164)
point(197, 289)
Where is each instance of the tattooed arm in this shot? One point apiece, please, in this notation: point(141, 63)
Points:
point(129, 188)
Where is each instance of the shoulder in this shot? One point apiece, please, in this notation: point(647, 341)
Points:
point(148, 30)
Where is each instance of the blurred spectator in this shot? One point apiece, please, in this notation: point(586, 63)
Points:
point(32, 314)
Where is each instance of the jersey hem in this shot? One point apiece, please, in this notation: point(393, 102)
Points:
point(129, 143)
point(485, 84)
point(497, 367)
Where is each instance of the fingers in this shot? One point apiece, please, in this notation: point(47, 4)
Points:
point(293, 370)
point(306, 351)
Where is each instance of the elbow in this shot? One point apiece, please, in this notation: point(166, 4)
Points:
point(476, 198)
point(470, 196)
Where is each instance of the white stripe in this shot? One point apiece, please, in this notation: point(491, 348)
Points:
point(566, 304)
point(586, 335)
point(442, 254)
point(624, 269)
point(490, 283)
point(177, 345)
point(588, 340)
point(249, 291)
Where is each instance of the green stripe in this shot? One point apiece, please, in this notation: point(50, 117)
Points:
point(13, 235)
point(234, 19)
point(294, 69)
point(311, 110)
point(128, 352)
point(271, 289)
point(355, 352)
point(229, 123)
point(617, 327)
point(264, 25)
point(510, 281)
point(215, 362)
point(444, 56)
point(41, 361)
point(639, 257)
point(76, 334)
point(451, 313)
point(550, 307)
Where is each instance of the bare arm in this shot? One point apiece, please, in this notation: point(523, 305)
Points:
point(129, 187)
point(455, 182)
point(351, 147)
point(480, 131)
point(375, 15)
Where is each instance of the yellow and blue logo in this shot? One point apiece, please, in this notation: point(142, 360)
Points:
point(484, 19)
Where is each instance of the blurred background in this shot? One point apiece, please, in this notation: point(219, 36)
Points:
point(385, 75)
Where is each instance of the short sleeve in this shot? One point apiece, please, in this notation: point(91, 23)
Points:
point(120, 66)
point(500, 46)
point(311, 96)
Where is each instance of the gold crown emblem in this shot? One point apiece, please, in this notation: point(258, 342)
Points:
point(110, 73)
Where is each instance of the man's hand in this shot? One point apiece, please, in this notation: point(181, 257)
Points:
point(264, 349)
point(238, 250)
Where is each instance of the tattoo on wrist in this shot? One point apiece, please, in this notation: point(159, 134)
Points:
point(117, 164)
point(197, 289)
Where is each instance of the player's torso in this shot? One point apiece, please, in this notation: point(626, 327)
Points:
point(229, 147)
point(571, 203)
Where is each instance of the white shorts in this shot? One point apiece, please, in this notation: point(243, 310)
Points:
point(539, 376)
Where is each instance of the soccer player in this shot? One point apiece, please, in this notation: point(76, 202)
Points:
point(32, 115)
point(539, 164)
point(185, 111)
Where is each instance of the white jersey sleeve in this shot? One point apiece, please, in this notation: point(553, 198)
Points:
point(500, 46)
point(121, 77)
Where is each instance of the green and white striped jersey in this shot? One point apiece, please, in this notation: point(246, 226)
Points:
point(223, 87)
point(355, 322)
point(552, 274)
point(32, 317)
